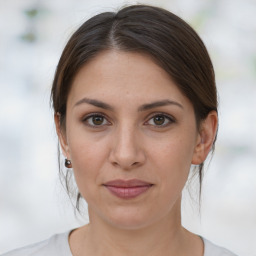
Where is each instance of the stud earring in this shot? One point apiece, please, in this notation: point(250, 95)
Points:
point(68, 163)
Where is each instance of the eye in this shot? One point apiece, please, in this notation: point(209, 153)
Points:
point(95, 120)
point(161, 120)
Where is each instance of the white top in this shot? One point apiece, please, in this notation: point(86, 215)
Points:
point(58, 245)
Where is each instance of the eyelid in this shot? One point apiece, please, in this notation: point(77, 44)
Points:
point(152, 115)
point(90, 115)
point(169, 117)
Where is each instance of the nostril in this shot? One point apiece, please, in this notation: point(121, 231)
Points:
point(135, 163)
point(115, 163)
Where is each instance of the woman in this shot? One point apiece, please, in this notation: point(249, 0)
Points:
point(135, 106)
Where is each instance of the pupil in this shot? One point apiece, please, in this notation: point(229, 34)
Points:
point(159, 120)
point(97, 120)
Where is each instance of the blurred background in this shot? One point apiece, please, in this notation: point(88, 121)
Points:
point(33, 204)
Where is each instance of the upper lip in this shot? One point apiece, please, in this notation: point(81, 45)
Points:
point(127, 183)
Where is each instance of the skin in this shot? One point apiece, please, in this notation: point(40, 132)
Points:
point(130, 143)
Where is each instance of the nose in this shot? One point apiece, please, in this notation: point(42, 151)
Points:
point(127, 149)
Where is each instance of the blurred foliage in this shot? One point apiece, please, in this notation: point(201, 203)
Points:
point(28, 37)
point(32, 13)
point(33, 16)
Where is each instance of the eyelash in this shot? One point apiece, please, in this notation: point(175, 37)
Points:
point(86, 118)
point(167, 117)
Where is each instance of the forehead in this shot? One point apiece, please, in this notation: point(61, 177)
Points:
point(126, 75)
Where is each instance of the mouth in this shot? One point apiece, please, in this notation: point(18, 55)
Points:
point(128, 189)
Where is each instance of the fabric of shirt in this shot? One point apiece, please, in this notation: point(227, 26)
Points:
point(58, 245)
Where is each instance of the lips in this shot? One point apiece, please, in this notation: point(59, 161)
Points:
point(127, 189)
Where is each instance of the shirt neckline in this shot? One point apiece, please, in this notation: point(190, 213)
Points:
point(66, 236)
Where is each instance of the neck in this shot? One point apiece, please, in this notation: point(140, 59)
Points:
point(142, 241)
point(165, 237)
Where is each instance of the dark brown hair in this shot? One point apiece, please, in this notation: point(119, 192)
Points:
point(154, 31)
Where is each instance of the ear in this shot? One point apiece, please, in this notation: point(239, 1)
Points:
point(206, 137)
point(62, 136)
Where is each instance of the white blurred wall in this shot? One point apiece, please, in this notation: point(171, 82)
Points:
point(33, 205)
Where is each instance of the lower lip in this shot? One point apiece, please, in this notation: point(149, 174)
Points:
point(128, 193)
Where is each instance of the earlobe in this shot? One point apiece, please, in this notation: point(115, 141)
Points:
point(206, 138)
point(61, 135)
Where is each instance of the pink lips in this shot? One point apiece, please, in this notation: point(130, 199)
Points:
point(127, 189)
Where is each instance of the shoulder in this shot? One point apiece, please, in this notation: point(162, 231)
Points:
point(211, 249)
point(55, 245)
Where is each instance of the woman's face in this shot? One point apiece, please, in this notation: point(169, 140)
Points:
point(131, 136)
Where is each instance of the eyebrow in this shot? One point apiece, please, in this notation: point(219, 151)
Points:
point(160, 103)
point(143, 107)
point(95, 103)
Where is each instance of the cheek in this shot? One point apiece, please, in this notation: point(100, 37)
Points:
point(172, 159)
point(87, 155)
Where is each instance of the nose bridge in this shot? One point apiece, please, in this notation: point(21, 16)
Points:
point(126, 150)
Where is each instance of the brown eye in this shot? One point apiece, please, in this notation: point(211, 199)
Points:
point(161, 120)
point(95, 120)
